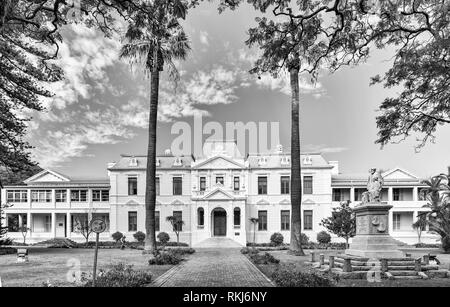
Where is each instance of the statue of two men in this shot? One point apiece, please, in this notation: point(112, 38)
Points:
point(374, 186)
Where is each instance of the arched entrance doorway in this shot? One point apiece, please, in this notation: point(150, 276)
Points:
point(219, 222)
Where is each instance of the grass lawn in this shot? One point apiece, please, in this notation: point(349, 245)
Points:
point(299, 262)
point(53, 264)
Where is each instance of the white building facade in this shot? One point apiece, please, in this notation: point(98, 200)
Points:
point(214, 195)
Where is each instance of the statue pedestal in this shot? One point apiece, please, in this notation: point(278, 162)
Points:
point(372, 238)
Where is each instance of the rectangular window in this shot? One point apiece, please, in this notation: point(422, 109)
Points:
point(285, 219)
point(61, 196)
point(79, 220)
point(41, 196)
point(132, 221)
point(156, 220)
point(262, 185)
point(16, 221)
point(396, 194)
point(396, 221)
point(237, 216)
point(402, 221)
point(48, 223)
point(308, 220)
point(157, 186)
point(262, 220)
point(100, 195)
point(202, 183)
point(285, 183)
point(132, 185)
point(96, 195)
point(177, 185)
point(337, 195)
point(178, 217)
point(219, 180)
point(78, 195)
point(340, 194)
point(307, 184)
point(236, 183)
point(16, 196)
point(402, 194)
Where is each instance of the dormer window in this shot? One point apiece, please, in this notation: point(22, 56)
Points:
point(285, 160)
point(178, 162)
point(307, 160)
point(133, 162)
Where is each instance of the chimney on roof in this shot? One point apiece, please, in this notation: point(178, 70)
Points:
point(335, 169)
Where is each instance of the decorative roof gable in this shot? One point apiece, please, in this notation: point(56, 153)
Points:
point(47, 176)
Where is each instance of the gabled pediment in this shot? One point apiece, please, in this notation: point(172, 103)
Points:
point(132, 203)
point(398, 174)
point(262, 202)
point(285, 202)
point(219, 162)
point(308, 202)
point(47, 176)
point(218, 194)
point(177, 202)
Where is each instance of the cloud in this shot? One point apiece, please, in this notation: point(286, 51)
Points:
point(323, 148)
point(204, 38)
point(84, 60)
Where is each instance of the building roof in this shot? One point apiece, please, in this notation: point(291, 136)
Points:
point(48, 178)
point(274, 160)
point(393, 177)
point(165, 162)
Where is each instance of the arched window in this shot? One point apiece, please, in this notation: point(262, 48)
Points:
point(237, 217)
point(200, 217)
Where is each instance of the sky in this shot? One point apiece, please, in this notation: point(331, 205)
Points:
point(100, 109)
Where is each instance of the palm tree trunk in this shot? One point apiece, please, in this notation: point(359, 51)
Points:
point(150, 187)
point(296, 183)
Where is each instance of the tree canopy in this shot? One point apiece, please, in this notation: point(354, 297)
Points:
point(29, 44)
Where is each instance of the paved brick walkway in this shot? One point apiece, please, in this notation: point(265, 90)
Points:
point(225, 267)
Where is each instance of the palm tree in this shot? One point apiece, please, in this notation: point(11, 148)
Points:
point(438, 195)
point(296, 181)
point(154, 42)
point(419, 225)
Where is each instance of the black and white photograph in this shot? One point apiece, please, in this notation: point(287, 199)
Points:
point(216, 151)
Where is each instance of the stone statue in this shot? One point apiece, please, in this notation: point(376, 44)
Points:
point(374, 186)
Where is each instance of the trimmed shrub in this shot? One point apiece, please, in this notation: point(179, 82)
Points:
point(276, 238)
point(323, 237)
point(289, 276)
point(427, 245)
point(244, 250)
point(304, 239)
point(139, 236)
point(165, 257)
point(7, 251)
point(265, 258)
point(247, 250)
point(179, 251)
point(6, 241)
point(117, 236)
point(163, 237)
point(120, 275)
point(175, 244)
